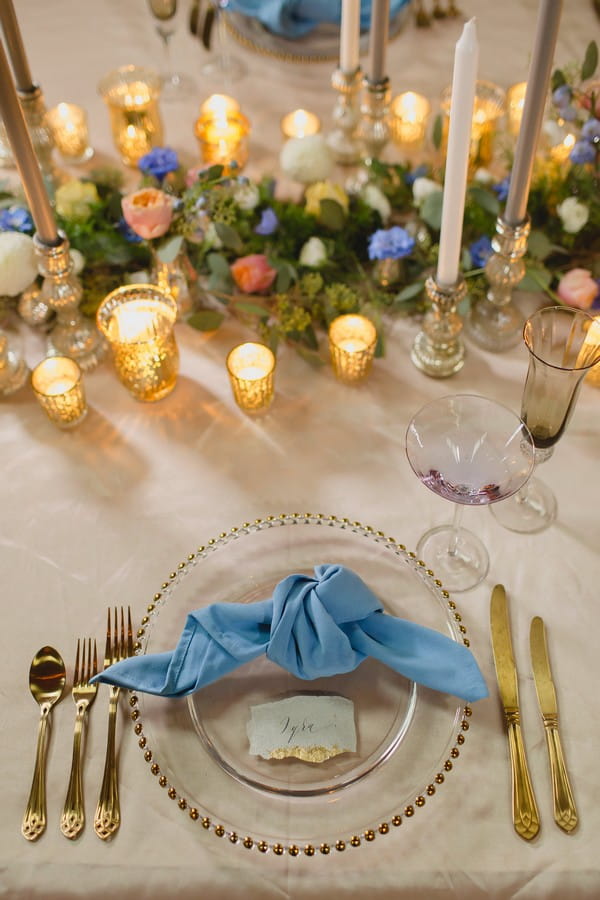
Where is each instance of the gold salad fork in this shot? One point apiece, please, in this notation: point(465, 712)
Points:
point(119, 645)
point(84, 694)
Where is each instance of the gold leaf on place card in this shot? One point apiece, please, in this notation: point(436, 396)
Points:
point(308, 754)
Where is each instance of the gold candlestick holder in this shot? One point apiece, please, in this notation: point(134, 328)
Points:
point(61, 290)
point(343, 140)
point(438, 349)
point(34, 110)
point(495, 323)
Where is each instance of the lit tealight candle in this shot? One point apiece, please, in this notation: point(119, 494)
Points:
point(251, 368)
point(408, 117)
point(222, 131)
point(352, 340)
point(68, 123)
point(515, 101)
point(57, 384)
point(300, 123)
point(220, 104)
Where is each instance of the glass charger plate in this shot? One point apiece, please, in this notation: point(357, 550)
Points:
point(321, 45)
point(408, 737)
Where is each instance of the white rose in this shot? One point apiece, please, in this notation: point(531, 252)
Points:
point(313, 253)
point(573, 214)
point(422, 187)
point(307, 159)
point(78, 260)
point(18, 266)
point(376, 199)
point(483, 176)
point(246, 195)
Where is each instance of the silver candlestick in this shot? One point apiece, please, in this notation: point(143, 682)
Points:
point(495, 323)
point(438, 349)
point(71, 334)
point(342, 141)
point(373, 130)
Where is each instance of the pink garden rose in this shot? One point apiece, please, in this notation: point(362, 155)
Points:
point(578, 288)
point(253, 274)
point(148, 212)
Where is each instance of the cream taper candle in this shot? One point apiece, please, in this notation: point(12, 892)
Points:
point(349, 36)
point(16, 50)
point(536, 93)
point(378, 38)
point(464, 79)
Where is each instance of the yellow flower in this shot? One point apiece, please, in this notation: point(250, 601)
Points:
point(324, 190)
point(74, 199)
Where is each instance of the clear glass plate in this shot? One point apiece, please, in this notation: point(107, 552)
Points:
point(408, 737)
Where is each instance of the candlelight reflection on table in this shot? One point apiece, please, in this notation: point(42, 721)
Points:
point(251, 369)
point(352, 340)
point(57, 385)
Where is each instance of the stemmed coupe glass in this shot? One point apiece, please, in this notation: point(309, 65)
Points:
point(562, 350)
point(222, 64)
point(175, 85)
point(471, 451)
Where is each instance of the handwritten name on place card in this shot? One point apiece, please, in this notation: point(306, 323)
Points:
point(311, 727)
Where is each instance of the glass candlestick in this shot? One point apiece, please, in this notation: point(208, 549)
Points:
point(34, 110)
point(438, 349)
point(343, 141)
point(72, 335)
point(13, 370)
point(495, 323)
point(373, 130)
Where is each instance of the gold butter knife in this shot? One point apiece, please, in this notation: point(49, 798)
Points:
point(526, 818)
point(565, 813)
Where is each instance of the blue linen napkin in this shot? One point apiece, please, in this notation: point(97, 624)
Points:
point(296, 18)
point(313, 627)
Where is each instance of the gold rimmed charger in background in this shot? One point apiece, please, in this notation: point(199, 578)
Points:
point(58, 386)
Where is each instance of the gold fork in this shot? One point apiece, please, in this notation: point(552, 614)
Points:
point(84, 694)
point(118, 646)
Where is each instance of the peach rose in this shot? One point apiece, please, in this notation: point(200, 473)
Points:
point(253, 274)
point(148, 212)
point(578, 288)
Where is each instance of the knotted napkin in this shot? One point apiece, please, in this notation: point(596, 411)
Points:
point(296, 18)
point(313, 627)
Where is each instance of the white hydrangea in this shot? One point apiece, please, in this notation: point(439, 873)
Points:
point(313, 253)
point(246, 195)
point(307, 159)
point(483, 176)
point(376, 199)
point(573, 214)
point(422, 187)
point(18, 266)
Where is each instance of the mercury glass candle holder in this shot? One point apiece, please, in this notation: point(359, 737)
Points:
point(222, 134)
point(352, 340)
point(58, 387)
point(69, 126)
point(13, 369)
point(408, 117)
point(137, 320)
point(300, 123)
point(131, 94)
point(593, 341)
point(515, 101)
point(251, 369)
point(488, 108)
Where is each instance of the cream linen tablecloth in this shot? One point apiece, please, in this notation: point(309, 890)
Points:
point(100, 515)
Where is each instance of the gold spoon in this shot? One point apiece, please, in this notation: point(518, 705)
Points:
point(47, 677)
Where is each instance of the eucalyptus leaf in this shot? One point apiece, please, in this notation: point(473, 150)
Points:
point(409, 292)
point(485, 199)
point(431, 209)
point(218, 265)
point(590, 61)
point(253, 309)
point(332, 214)
point(558, 79)
point(437, 132)
point(536, 278)
point(205, 320)
point(539, 246)
point(284, 278)
point(229, 237)
point(167, 252)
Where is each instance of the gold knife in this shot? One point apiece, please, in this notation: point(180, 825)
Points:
point(526, 818)
point(565, 813)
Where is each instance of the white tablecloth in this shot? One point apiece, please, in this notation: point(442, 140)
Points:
point(102, 514)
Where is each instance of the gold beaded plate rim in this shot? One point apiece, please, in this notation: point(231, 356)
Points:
point(288, 844)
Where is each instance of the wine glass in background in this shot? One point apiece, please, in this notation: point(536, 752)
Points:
point(471, 451)
point(212, 30)
point(562, 349)
point(175, 85)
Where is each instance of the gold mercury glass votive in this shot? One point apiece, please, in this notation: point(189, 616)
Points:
point(57, 384)
point(488, 108)
point(251, 369)
point(69, 127)
point(408, 118)
point(352, 340)
point(131, 94)
point(300, 123)
point(515, 101)
point(222, 132)
point(137, 320)
point(592, 341)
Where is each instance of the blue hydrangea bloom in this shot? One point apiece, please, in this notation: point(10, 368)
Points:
point(591, 130)
point(419, 172)
point(480, 251)
point(268, 222)
point(583, 152)
point(16, 218)
point(501, 188)
point(390, 243)
point(159, 162)
point(561, 97)
point(127, 232)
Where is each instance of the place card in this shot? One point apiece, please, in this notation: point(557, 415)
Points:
point(310, 727)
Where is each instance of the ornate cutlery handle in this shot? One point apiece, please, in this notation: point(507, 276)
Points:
point(34, 820)
point(526, 818)
point(108, 812)
point(73, 814)
point(565, 812)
